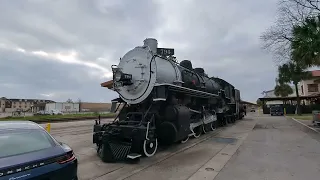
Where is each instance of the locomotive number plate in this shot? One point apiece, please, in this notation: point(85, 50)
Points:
point(118, 84)
point(165, 51)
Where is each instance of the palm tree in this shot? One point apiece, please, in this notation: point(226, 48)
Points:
point(305, 45)
point(283, 90)
point(291, 72)
point(259, 103)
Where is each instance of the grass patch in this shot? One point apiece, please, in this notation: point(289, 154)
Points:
point(50, 118)
point(302, 117)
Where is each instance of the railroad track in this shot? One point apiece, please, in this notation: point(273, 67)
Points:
point(140, 167)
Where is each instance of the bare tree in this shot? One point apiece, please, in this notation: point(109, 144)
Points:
point(277, 39)
point(69, 100)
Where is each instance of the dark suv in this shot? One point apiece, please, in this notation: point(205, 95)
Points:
point(276, 110)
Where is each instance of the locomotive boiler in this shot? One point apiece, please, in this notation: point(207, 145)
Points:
point(162, 102)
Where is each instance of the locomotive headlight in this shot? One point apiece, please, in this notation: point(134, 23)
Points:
point(117, 76)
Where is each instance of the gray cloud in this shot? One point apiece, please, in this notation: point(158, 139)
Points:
point(29, 76)
point(222, 36)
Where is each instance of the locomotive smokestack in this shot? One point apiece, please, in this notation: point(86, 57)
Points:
point(152, 43)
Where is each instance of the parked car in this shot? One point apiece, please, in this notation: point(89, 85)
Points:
point(28, 151)
point(56, 112)
point(276, 110)
point(253, 109)
point(42, 112)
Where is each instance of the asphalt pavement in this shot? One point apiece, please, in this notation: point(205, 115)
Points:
point(258, 147)
point(276, 149)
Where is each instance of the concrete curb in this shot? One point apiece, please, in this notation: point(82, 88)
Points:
point(314, 133)
point(214, 166)
point(304, 126)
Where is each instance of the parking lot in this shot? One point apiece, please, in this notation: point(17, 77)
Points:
point(258, 147)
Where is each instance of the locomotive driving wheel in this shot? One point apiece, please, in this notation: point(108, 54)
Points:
point(226, 121)
point(150, 147)
point(213, 125)
point(233, 120)
point(185, 140)
point(197, 131)
point(206, 128)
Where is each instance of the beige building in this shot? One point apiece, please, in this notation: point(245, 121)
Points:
point(95, 107)
point(310, 87)
point(12, 105)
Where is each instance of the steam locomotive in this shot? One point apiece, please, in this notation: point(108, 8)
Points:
point(162, 102)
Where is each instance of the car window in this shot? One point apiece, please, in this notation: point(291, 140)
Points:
point(276, 108)
point(25, 141)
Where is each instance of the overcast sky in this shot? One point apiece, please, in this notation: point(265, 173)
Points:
point(60, 49)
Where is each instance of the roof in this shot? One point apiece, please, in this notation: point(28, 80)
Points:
point(5, 125)
point(26, 100)
point(270, 93)
point(316, 95)
point(39, 104)
point(315, 73)
point(246, 102)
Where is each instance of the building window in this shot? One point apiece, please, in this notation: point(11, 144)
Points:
point(302, 89)
point(313, 88)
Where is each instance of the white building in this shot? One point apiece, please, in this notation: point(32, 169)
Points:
point(270, 94)
point(10, 105)
point(63, 107)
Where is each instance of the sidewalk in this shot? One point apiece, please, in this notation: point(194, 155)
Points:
point(276, 149)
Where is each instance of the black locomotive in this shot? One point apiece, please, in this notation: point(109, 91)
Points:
point(162, 102)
